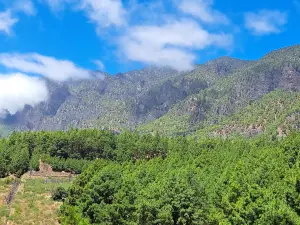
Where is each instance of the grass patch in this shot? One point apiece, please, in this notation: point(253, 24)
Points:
point(4, 190)
point(33, 203)
point(40, 186)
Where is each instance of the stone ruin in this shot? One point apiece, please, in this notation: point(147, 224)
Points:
point(45, 168)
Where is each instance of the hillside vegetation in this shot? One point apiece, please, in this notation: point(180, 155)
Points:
point(207, 182)
point(276, 114)
point(233, 93)
point(73, 150)
point(150, 179)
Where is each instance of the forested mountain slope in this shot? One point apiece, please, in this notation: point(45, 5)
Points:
point(276, 114)
point(162, 99)
point(279, 70)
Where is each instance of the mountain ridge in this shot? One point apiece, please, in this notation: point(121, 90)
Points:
point(162, 99)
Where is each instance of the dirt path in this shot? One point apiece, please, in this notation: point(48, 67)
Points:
point(10, 197)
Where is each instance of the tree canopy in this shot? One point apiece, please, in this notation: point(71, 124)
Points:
point(149, 179)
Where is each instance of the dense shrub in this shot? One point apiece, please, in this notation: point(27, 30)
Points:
point(59, 194)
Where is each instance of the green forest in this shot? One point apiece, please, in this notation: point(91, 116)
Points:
point(129, 178)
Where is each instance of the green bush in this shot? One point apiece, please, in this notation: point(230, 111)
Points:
point(59, 194)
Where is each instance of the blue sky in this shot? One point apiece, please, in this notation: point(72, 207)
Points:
point(65, 29)
point(64, 39)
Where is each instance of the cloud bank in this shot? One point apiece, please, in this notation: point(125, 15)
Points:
point(18, 90)
point(176, 39)
point(45, 66)
point(170, 44)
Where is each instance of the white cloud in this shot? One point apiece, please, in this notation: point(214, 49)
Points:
point(25, 6)
point(49, 67)
point(104, 13)
point(7, 21)
point(18, 90)
point(170, 44)
point(99, 64)
point(149, 33)
point(173, 57)
point(265, 21)
point(203, 10)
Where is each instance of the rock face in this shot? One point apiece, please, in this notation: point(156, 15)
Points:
point(162, 96)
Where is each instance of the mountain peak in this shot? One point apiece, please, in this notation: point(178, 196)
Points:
point(225, 65)
point(290, 51)
point(226, 60)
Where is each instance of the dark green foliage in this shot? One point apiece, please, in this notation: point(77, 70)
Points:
point(211, 181)
point(14, 159)
point(73, 150)
point(59, 194)
point(149, 179)
point(19, 160)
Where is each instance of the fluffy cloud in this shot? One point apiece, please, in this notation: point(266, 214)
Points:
point(7, 21)
point(18, 90)
point(174, 40)
point(265, 21)
point(49, 67)
point(104, 13)
point(151, 34)
point(203, 10)
point(170, 44)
